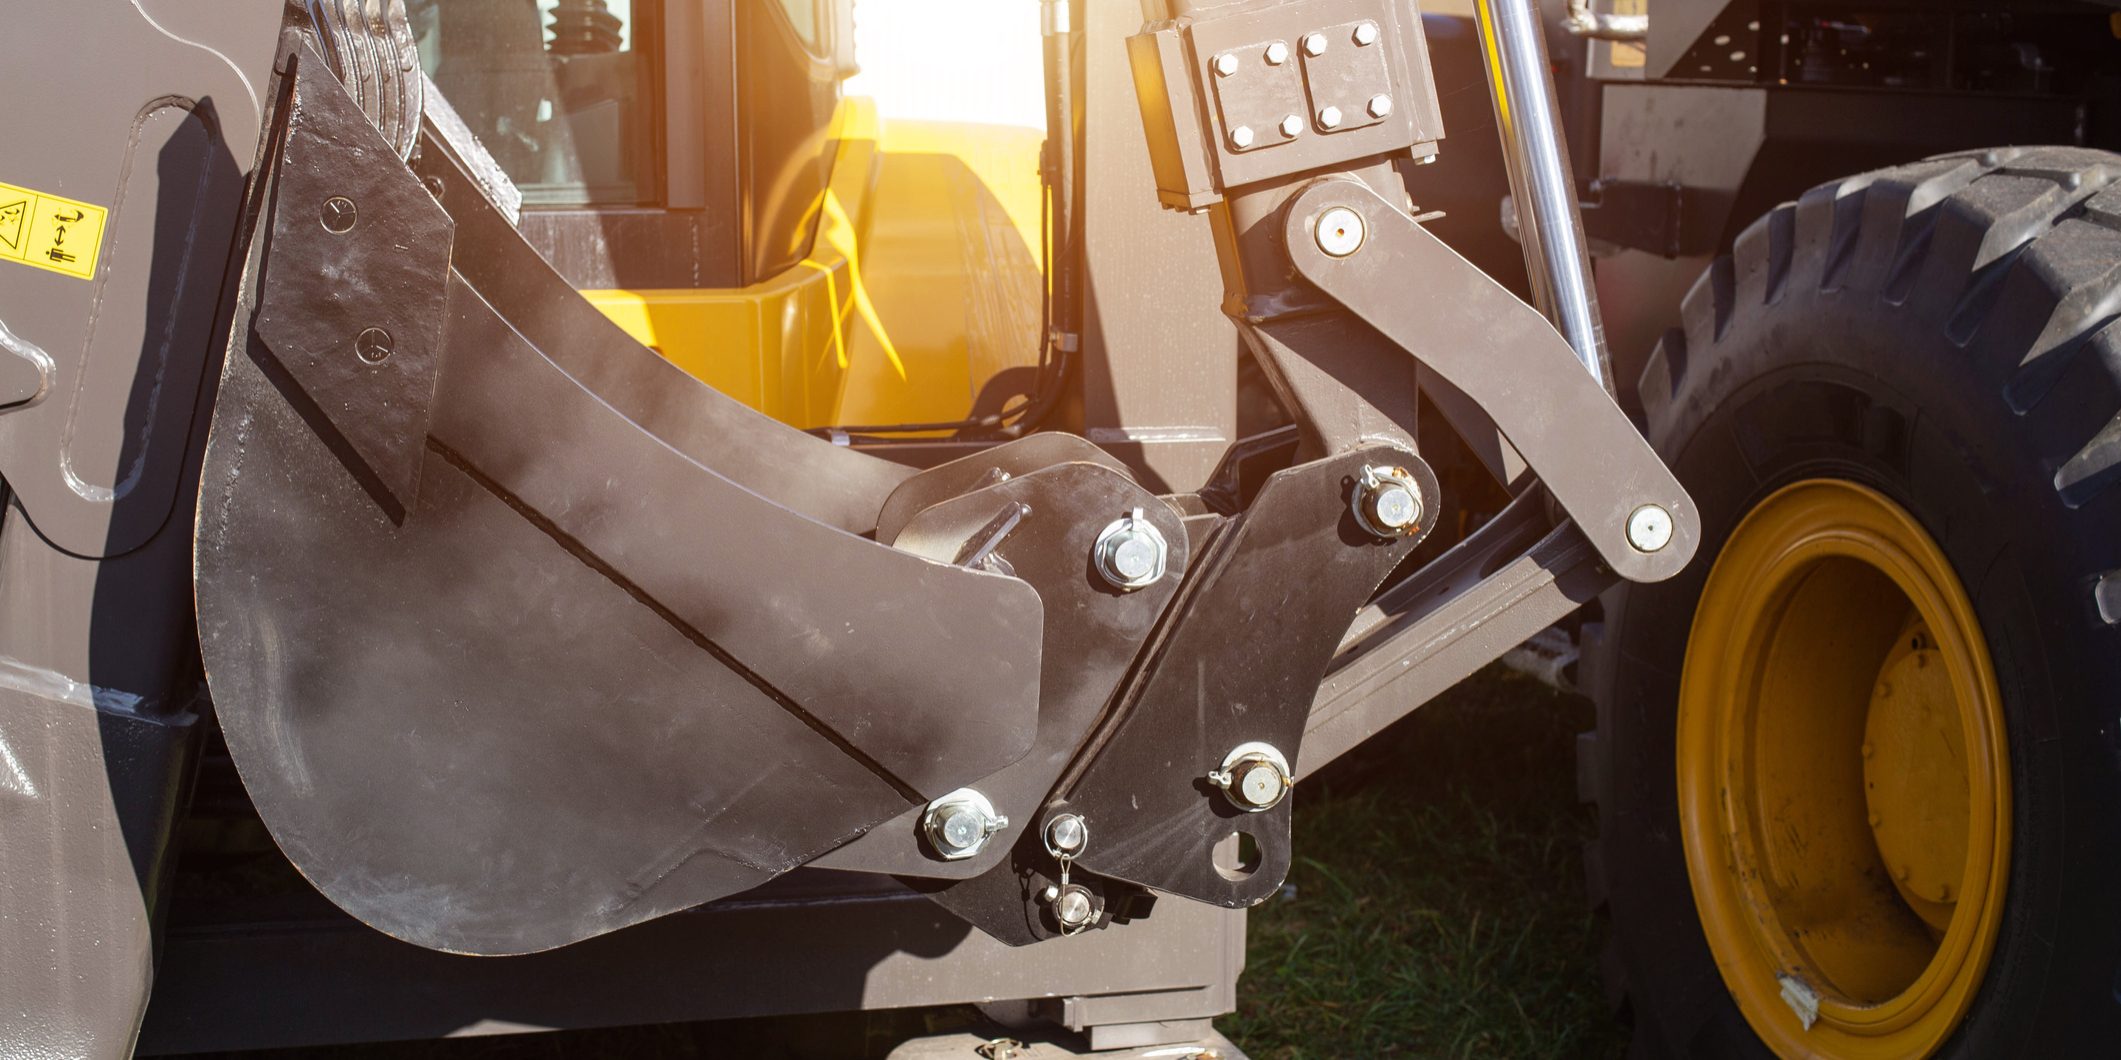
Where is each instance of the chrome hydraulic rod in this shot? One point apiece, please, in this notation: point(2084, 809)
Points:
point(1549, 222)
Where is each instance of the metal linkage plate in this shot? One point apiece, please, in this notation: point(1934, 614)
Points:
point(982, 469)
point(358, 331)
point(1091, 632)
point(1258, 94)
point(1325, 62)
point(1486, 342)
point(587, 679)
point(1238, 662)
point(1347, 77)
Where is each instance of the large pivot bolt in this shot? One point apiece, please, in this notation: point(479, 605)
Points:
point(1387, 502)
point(1649, 528)
point(1066, 835)
point(1074, 907)
point(958, 824)
point(1339, 231)
point(1130, 553)
point(1255, 776)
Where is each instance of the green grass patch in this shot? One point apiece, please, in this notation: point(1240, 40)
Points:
point(1436, 907)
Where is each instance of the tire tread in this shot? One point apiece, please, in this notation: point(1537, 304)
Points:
point(2015, 253)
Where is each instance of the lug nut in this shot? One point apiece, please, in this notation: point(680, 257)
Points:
point(959, 824)
point(1388, 502)
point(1226, 64)
point(1254, 776)
point(1241, 137)
point(1380, 106)
point(1314, 44)
point(1366, 34)
point(1277, 53)
point(1329, 117)
point(1066, 835)
point(1292, 125)
point(1339, 231)
point(1130, 553)
point(1649, 528)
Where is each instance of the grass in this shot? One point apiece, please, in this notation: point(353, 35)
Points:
point(1436, 905)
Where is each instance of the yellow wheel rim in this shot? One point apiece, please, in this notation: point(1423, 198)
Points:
point(1844, 791)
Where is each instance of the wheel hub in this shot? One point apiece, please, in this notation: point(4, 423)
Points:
point(1914, 777)
point(1844, 791)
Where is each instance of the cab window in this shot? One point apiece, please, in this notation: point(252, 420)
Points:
point(559, 91)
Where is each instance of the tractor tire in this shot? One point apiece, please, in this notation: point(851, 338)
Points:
point(1920, 361)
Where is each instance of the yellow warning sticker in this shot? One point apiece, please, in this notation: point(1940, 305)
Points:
point(50, 232)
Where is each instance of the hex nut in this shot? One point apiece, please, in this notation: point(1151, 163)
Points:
point(1226, 64)
point(1314, 44)
point(1339, 232)
point(1380, 105)
point(1130, 552)
point(1277, 53)
point(1365, 34)
point(959, 824)
point(1292, 126)
point(1241, 137)
point(1329, 117)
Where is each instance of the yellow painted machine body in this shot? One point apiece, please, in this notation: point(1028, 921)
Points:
point(923, 282)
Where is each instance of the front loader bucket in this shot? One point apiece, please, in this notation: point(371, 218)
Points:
point(518, 634)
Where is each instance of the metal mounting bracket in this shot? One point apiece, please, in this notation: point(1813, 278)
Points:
point(1481, 339)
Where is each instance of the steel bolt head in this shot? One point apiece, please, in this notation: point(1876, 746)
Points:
point(1073, 907)
point(1387, 502)
point(1241, 137)
point(1258, 784)
point(1395, 507)
point(1277, 53)
point(1066, 835)
point(1329, 117)
point(960, 827)
point(1314, 44)
point(1133, 557)
point(1339, 231)
point(373, 345)
point(1380, 106)
point(338, 214)
point(1130, 553)
point(1226, 64)
point(1292, 125)
point(1255, 777)
point(1366, 34)
point(959, 824)
point(1649, 528)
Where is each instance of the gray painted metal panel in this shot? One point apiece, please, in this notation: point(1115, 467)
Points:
point(156, 124)
point(88, 793)
point(1159, 357)
point(294, 975)
point(149, 109)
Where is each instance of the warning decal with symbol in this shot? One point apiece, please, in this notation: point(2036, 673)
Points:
point(50, 232)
